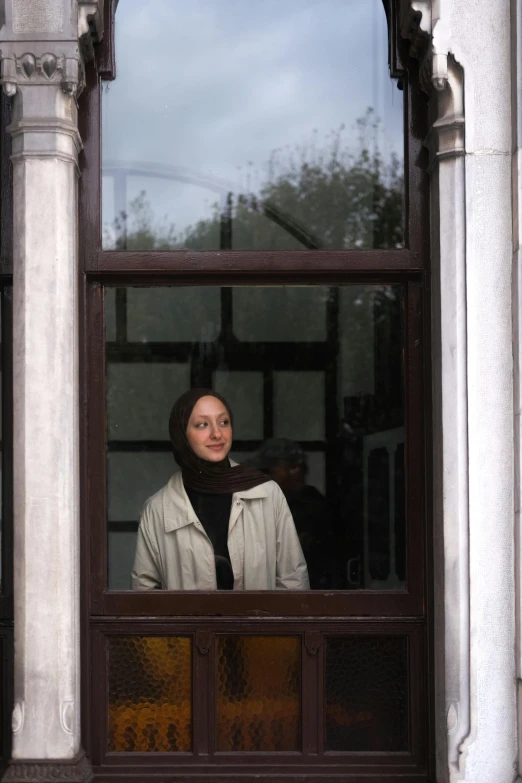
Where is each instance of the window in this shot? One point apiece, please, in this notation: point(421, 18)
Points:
point(318, 399)
point(262, 234)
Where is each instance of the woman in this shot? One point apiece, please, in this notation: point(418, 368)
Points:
point(216, 524)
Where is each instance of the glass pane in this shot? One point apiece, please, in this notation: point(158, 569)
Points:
point(122, 545)
point(173, 314)
point(132, 478)
point(366, 694)
point(268, 126)
point(258, 693)
point(300, 314)
point(244, 392)
point(318, 405)
point(150, 694)
point(299, 396)
point(139, 398)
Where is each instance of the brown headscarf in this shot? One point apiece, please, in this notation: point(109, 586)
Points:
point(200, 474)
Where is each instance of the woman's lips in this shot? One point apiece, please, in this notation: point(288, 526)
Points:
point(216, 447)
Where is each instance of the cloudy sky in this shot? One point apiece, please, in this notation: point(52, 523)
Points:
point(210, 88)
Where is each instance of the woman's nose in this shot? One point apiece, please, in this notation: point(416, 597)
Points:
point(214, 433)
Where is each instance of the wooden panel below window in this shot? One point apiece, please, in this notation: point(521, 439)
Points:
point(243, 694)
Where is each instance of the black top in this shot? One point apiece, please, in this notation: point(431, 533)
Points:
point(213, 511)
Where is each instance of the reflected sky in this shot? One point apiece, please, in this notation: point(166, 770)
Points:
point(221, 90)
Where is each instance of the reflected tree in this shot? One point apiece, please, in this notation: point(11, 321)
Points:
point(315, 196)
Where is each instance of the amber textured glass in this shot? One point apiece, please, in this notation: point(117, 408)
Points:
point(258, 693)
point(366, 694)
point(150, 686)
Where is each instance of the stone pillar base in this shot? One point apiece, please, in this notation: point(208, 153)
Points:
point(77, 770)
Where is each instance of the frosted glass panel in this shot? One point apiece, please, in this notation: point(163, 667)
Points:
point(150, 694)
point(299, 405)
point(280, 315)
point(140, 398)
point(134, 477)
point(258, 693)
point(244, 392)
point(173, 314)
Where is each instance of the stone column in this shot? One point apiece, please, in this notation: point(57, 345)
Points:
point(42, 70)
point(516, 170)
point(464, 50)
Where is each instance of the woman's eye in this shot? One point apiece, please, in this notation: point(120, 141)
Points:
point(225, 422)
point(201, 424)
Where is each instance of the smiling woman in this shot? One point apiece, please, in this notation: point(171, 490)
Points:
point(209, 429)
point(216, 523)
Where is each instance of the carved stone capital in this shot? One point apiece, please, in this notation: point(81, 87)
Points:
point(62, 67)
point(90, 26)
point(446, 138)
point(48, 44)
point(77, 770)
point(422, 24)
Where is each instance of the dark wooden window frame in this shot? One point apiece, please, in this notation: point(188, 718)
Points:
point(365, 612)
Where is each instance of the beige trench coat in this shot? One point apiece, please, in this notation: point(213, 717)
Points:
point(173, 551)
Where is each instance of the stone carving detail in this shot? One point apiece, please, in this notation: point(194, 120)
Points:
point(452, 717)
point(76, 771)
point(446, 137)
point(49, 65)
point(90, 26)
point(17, 720)
point(61, 62)
point(429, 41)
point(67, 716)
point(28, 64)
point(44, 16)
point(42, 70)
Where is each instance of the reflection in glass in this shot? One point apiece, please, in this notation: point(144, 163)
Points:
point(150, 694)
point(258, 688)
point(366, 694)
point(268, 126)
point(324, 418)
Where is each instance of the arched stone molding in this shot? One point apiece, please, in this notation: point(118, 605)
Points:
point(450, 424)
point(472, 383)
point(516, 32)
point(443, 79)
point(423, 24)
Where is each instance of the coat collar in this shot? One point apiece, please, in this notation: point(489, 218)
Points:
point(177, 508)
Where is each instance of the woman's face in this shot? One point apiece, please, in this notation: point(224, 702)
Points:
point(209, 431)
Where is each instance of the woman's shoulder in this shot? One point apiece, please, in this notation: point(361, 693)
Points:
point(154, 504)
point(272, 490)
